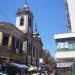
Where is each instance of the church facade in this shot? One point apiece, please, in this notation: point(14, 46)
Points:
point(19, 44)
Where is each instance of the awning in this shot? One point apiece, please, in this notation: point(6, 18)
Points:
point(20, 65)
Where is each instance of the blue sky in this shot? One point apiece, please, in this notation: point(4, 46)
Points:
point(49, 15)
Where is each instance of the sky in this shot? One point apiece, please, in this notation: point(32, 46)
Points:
point(49, 15)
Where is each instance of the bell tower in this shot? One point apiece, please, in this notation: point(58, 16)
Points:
point(24, 20)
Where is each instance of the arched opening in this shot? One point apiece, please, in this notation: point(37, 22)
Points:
point(22, 21)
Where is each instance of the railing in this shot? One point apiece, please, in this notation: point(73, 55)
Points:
point(66, 49)
point(5, 52)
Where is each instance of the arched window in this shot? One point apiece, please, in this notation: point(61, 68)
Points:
point(22, 21)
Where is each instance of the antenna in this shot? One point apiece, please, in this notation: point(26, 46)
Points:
point(26, 2)
point(36, 27)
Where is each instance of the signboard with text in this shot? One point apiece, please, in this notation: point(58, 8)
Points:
point(66, 64)
point(41, 60)
point(25, 46)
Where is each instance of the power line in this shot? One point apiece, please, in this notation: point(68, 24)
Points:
point(4, 15)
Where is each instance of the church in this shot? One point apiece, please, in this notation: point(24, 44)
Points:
point(19, 44)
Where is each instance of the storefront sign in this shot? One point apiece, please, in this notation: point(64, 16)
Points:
point(67, 64)
point(41, 60)
point(25, 46)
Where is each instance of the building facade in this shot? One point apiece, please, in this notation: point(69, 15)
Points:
point(19, 44)
point(70, 12)
point(65, 53)
point(65, 44)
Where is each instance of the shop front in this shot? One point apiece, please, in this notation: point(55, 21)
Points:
point(64, 68)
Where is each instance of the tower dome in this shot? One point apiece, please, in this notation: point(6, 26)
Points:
point(26, 7)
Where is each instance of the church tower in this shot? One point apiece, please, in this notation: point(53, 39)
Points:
point(24, 20)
